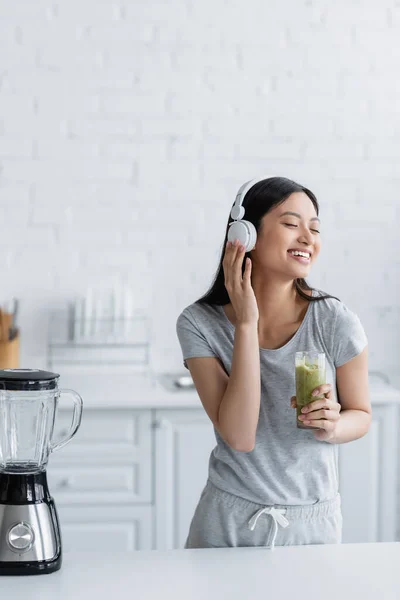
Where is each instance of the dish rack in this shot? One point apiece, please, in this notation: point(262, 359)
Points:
point(98, 342)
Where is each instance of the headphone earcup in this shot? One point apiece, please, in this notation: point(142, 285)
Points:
point(245, 232)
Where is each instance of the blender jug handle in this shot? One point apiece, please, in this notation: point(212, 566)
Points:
point(76, 419)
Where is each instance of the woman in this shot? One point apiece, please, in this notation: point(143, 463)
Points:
point(271, 483)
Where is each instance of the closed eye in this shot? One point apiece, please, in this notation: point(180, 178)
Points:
point(293, 225)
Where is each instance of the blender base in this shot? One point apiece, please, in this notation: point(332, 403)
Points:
point(28, 511)
point(31, 568)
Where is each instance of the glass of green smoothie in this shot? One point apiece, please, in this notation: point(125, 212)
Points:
point(310, 373)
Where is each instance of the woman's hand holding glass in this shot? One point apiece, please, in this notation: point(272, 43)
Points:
point(323, 413)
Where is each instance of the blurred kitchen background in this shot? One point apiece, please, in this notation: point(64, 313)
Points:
point(126, 129)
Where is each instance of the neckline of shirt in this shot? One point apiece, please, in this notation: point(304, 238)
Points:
point(292, 339)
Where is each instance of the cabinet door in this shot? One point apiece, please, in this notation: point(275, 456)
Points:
point(108, 461)
point(368, 480)
point(184, 441)
point(106, 528)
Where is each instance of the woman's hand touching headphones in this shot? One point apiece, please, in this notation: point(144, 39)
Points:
point(239, 288)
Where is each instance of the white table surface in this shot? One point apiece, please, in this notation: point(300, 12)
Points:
point(323, 572)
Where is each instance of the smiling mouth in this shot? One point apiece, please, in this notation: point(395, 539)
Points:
point(302, 257)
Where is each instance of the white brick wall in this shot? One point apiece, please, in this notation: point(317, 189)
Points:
point(127, 127)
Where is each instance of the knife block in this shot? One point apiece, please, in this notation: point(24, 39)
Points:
point(9, 353)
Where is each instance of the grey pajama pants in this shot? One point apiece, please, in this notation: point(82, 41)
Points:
point(224, 520)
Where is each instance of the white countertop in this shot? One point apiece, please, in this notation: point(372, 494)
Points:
point(129, 390)
point(126, 390)
point(323, 572)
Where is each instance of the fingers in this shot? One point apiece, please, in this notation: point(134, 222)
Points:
point(325, 388)
point(233, 260)
point(293, 402)
point(238, 262)
point(328, 426)
point(323, 403)
point(230, 254)
point(232, 249)
point(320, 411)
point(316, 415)
point(247, 271)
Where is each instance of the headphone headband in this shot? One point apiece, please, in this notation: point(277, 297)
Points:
point(237, 211)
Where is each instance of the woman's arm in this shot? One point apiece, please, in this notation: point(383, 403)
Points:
point(232, 402)
point(353, 391)
point(240, 407)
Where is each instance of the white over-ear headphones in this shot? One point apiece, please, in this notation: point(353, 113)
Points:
point(241, 230)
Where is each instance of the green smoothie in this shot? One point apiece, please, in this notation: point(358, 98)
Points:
point(310, 373)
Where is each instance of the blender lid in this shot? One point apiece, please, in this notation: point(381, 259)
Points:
point(27, 379)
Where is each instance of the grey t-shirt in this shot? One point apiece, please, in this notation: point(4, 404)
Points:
point(288, 465)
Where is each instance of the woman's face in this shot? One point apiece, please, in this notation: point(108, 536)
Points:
point(292, 225)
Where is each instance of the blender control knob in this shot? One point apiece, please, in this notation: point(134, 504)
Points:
point(21, 537)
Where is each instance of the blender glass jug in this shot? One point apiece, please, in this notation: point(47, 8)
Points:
point(28, 410)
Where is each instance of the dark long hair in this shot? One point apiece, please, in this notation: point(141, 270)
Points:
point(258, 201)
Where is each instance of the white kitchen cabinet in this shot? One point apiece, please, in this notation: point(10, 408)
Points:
point(108, 461)
point(368, 474)
point(102, 482)
point(91, 483)
point(183, 442)
point(105, 528)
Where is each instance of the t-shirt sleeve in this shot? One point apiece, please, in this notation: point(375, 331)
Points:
point(349, 338)
point(192, 340)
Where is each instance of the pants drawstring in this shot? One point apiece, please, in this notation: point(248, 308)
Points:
point(276, 514)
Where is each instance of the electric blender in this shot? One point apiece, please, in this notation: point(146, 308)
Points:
point(30, 537)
